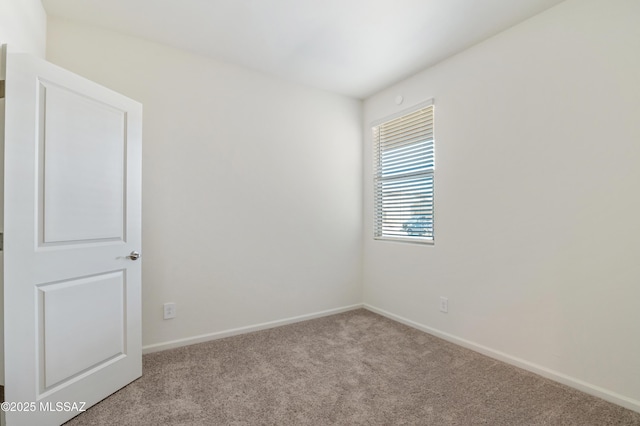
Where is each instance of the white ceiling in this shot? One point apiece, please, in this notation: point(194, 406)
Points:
point(352, 47)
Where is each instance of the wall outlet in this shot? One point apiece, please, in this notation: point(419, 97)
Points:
point(169, 310)
point(444, 304)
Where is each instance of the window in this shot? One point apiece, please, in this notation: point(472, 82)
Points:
point(403, 176)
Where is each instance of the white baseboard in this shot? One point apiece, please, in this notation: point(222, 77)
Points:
point(585, 387)
point(156, 347)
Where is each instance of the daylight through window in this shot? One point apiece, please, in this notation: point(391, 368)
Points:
point(404, 163)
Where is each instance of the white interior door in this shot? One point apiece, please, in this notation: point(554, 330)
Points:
point(72, 205)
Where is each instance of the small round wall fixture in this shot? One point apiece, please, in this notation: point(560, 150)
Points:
point(399, 99)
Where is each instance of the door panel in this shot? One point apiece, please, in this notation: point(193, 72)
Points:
point(71, 347)
point(82, 201)
point(72, 215)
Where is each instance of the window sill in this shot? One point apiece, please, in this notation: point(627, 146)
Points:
point(419, 241)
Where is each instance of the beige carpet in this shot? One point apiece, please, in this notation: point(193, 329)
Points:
point(356, 368)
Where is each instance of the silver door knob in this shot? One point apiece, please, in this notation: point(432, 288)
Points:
point(134, 255)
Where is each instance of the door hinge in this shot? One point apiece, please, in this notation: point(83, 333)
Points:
point(1, 89)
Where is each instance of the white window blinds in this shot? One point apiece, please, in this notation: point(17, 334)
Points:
point(403, 176)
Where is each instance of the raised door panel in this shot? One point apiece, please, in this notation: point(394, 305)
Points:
point(82, 150)
point(81, 326)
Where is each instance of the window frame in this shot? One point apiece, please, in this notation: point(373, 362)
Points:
point(379, 236)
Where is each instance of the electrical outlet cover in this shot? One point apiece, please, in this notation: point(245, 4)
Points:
point(169, 310)
point(444, 304)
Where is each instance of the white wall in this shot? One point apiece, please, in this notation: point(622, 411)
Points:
point(251, 186)
point(537, 199)
point(23, 25)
